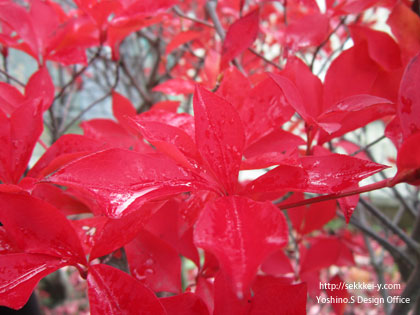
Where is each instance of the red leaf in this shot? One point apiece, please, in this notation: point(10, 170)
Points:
point(172, 141)
point(309, 30)
point(114, 292)
point(277, 264)
point(240, 35)
point(119, 181)
point(352, 72)
point(351, 113)
point(408, 161)
point(112, 134)
point(264, 110)
point(226, 300)
point(180, 39)
point(19, 20)
point(175, 87)
point(18, 136)
point(40, 85)
point(335, 172)
point(219, 136)
point(184, 304)
point(107, 237)
point(10, 98)
point(276, 296)
point(409, 98)
point(65, 145)
point(324, 252)
point(318, 174)
point(154, 262)
point(121, 107)
point(306, 219)
point(276, 141)
point(309, 86)
point(20, 273)
point(339, 293)
point(37, 227)
point(241, 233)
point(59, 198)
point(235, 88)
point(382, 47)
point(405, 26)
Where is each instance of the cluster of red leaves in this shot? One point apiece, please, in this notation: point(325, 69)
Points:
point(181, 193)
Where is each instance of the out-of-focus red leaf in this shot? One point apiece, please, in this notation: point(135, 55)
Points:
point(339, 293)
point(25, 218)
point(226, 300)
point(112, 291)
point(277, 264)
point(20, 273)
point(59, 198)
point(180, 39)
point(382, 47)
point(306, 219)
point(324, 252)
point(121, 107)
point(18, 136)
point(65, 145)
point(154, 262)
point(240, 35)
point(183, 121)
point(40, 85)
point(352, 72)
point(10, 98)
point(408, 161)
point(228, 229)
point(405, 26)
point(168, 225)
point(184, 304)
point(19, 20)
point(175, 87)
point(409, 98)
point(205, 290)
point(264, 110)
point(276, 297)
point(219, 136)
point(119, 181)
point(235, 88)
point(170, 106)
point(309, 30)
point(120, 27)
point(113, 135)
point(103, 237)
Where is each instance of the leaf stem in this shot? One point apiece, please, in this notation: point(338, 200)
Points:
point(381, 184)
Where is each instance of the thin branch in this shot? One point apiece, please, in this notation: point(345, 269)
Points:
point(366, 147)
point(396, 252)
point(413, 245)
point(318, 49)
point(10, 77)
point(78, 73)
point(75, 119)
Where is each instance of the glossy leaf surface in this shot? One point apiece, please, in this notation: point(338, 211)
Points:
point(227, 228)
point(26, 218)
point(154, 263)
point(114, 292)
point(119, 181)
point(219, 136)
point(20, 273)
